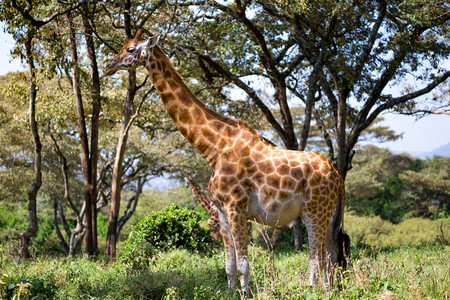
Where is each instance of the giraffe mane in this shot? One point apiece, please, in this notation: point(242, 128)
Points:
point(228, 120)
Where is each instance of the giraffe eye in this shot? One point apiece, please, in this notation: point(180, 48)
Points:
point(131, 49)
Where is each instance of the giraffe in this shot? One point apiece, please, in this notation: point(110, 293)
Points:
point(208, 205)
point(251, 179)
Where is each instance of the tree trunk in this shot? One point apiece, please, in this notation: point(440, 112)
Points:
point(75, 237)
point(96, 106)
point(85, 161)
point(61, 239)
point(128, 110)
point(344, 156)
point(127, 119)
point(37, 181)
point(131, 206)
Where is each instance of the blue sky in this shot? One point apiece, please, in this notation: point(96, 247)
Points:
point(421, 135)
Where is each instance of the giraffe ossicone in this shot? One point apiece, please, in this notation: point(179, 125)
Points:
point(251, 179)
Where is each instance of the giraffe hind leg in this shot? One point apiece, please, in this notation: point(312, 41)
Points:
point(321, 249)
point(317, 254)
point(332, 257)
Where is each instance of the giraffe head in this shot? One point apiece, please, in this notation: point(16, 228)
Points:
point(134, 53)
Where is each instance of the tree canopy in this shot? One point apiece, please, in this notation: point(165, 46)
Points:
point(306, 74)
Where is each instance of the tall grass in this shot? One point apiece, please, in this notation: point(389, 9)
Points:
point(410, 260)
point(404, 273)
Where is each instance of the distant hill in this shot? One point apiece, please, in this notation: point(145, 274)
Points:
point(441, 151)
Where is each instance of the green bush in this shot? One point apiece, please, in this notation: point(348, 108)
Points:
point(373, 232)
point(170, 228)
point(34, 288)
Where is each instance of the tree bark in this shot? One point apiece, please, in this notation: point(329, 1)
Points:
point(131, 206)
point(96, 106)
point(128, 115)
point(61, 239)
point(75, 237)
point(85, 161)
point(128, 110)
point(37, 181)
point(127, 120)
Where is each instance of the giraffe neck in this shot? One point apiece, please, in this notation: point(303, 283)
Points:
point(207, 130)
point(204, 199)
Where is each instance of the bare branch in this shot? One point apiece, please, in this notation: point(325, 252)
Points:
point(395, 101)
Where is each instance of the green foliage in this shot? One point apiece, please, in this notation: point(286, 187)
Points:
point(12, 220)
point(373, 232)
point(45, 237)
point(431, 185)
point(397, 187)
point(34, 288)
point(170, 228)
point(154, 200)
point(395, 273)
point(102, 226)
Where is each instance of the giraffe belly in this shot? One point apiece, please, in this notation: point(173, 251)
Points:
point(273, 212)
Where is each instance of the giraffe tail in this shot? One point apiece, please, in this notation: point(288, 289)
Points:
point(342, 239)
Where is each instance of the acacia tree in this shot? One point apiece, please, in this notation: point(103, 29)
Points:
point(25, 28)
point(129, 114)
point(89, 151)
point(87, 156)
point(342, 56)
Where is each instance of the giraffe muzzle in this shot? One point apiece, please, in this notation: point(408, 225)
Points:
point(110, 69)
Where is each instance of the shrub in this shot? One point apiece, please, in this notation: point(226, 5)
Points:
point(374, 232)
point(24, 289)
point(170, 228)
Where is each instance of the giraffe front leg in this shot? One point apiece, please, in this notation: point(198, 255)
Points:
point(238, 224)
point(230, 251)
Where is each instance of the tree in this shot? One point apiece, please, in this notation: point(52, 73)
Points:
point(28, 26)
point(341, 56)
point(397, 187)
point(57, 52)
point(87, 156)
point(86, 16)
point(128, 115)
point(429, 187)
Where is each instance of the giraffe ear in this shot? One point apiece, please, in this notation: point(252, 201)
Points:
point(153, 41)
point(138, 35)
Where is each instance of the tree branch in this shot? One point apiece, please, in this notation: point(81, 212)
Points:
point(395, 101)
point(363, 58)
point(25, 12)
point(239, 15)
point(238, 82)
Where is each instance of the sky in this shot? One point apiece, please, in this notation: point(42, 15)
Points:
point(423, 135)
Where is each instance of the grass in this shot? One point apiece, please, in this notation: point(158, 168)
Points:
point(410, 260)
point(404, 273)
